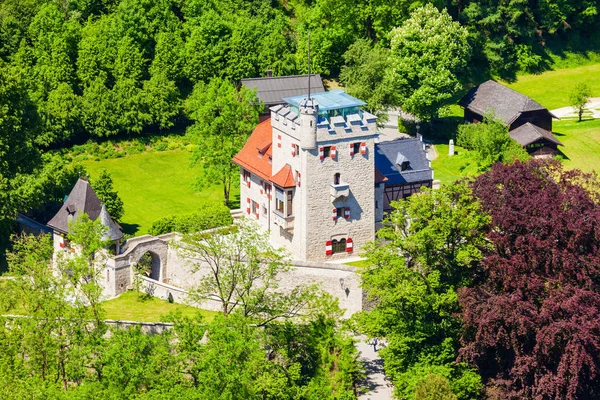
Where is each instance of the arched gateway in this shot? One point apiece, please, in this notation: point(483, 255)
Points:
point(151, 251)
point(153, 254)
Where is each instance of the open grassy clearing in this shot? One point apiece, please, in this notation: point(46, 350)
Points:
point(581, 150)
point(449, 169)
point(130, 307)
point(153, 185)
point(552, 88)
point(581, 143)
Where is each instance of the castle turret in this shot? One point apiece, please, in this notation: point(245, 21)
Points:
point(309, 110)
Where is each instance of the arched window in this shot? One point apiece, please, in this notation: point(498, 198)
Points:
point(338, 246)
point(336, 179)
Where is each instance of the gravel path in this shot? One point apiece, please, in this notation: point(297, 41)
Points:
point(593, 105)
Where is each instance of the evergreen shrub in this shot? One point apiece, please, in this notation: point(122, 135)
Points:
point(208, 217)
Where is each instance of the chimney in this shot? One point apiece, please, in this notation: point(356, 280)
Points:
point(269, 73)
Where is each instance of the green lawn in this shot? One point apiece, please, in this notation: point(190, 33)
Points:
point(129, 307)
point(581, 143)
point(552, 88)
point(359, 263)
point(153, 185)
point(581, 150)
point(449, 169)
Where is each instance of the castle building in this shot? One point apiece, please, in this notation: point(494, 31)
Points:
point(303, 174)
point(308, 176)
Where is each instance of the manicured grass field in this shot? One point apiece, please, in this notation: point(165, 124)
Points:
point(153, 185)
point(359, 263)
point(552, 88)
point(581, 143)
point(449, 169)
point(129, 307)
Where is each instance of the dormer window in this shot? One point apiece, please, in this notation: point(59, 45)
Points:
point(402, 162)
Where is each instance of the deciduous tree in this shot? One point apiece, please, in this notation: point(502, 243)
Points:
point(363, 76)
point(490, 142)
point(531, 316)
point(431, 244)
point(240, 271)
point(103, 186)
point(428, 60)
point(579, 98)
point(223, 119)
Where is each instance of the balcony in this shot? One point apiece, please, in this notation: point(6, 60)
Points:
point(339, 191)
point(286, 223)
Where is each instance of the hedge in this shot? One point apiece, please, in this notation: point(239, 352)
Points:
point(208, 217)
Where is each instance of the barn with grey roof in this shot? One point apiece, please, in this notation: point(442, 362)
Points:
point(512, 107)
point(529, 123)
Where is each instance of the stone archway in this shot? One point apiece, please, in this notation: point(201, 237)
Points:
point(154, 253)
point(149, 265)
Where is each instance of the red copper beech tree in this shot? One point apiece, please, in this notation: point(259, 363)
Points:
point(532, 317)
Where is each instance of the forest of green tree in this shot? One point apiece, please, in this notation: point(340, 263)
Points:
point(96, 68)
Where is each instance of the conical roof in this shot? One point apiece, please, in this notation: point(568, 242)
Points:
point(113, 231)
point(83, 200)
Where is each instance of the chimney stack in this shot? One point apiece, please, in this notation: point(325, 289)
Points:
point(269, 73)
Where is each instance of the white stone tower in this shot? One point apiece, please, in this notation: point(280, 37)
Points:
point(332, 164)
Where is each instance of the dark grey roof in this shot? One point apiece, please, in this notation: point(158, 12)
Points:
point(82, 199)
point(272, 90)
point(506, 103)
point(529, 133)
point(411, 150)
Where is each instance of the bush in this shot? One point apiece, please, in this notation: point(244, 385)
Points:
point(160, 146)
point(208, 217)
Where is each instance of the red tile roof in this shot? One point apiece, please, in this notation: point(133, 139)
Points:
point(285, 177)
point(255, 156)
point(379, 177)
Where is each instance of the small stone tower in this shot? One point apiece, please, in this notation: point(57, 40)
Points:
point(308, 124)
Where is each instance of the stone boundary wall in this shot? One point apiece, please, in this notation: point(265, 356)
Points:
point(146, 327)
point(339, 280)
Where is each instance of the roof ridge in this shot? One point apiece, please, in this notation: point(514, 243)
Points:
point(279, 77)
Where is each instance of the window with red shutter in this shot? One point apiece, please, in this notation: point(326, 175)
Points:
point(349, 245)
point(363, 148)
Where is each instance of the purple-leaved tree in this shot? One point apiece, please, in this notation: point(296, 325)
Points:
point(532, 316)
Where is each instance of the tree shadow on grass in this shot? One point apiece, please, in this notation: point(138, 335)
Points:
point(130, 229)
point(559, 153)
point(234, 203)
